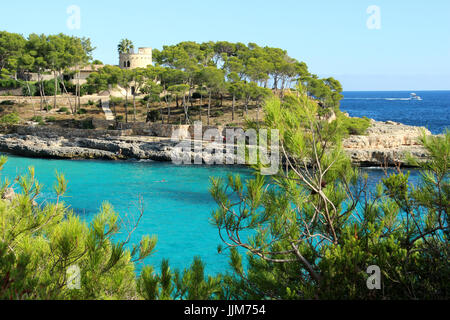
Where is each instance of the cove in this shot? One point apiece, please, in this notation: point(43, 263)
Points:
point(177, 210)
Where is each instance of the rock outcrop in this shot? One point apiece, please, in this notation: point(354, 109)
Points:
point(385, 143)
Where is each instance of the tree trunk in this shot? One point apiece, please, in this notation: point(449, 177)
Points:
point(168, 113)
point(76, 99)
point(209, 107)
point(257, 113)
point(233, 106)
point(56, 89)
point(247, 101)
point(68, 97)
point(200, 113)
point(41, 91)
point(134, 106)
point(186, 110)
point(126, 107)
point(79, 91)
point(31, 96)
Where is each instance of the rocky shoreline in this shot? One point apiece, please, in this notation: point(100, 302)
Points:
point(386, 143)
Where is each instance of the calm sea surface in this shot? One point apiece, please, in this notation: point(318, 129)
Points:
point(178, 210)
point(433, 112)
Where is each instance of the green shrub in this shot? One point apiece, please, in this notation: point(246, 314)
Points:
point(50, 119)
point(30, 90)
point(86, 89)
point(12, 118)
point(82, 111)
point(48, 108)
point(355, 126)
point(49, 238)
point(218, 114)
point(10, 84)
point(153, 116)
point(63, 109)
point(400, 229)
point(49, 88)
point(37, 119)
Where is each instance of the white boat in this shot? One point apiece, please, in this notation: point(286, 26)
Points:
point(414, 96)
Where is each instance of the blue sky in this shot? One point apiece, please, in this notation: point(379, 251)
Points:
point(411, 51)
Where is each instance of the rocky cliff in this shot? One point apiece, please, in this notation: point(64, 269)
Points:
point(385, 143)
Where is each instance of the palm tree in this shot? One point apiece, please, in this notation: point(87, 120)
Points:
point(125, 46)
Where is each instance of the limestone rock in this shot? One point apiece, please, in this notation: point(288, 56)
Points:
point(386, 143)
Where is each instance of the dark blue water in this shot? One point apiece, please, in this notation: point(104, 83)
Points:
point(433, 112)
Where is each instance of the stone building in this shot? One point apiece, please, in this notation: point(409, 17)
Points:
point(141, 59)
point(83, 74)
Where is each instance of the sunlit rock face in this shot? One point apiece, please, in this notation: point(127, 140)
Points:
point(386, 143)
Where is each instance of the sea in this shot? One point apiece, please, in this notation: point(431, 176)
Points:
point(176, 199)
point(432, 112)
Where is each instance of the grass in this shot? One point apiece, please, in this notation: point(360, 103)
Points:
point(355, 126)
point(50, 119)
point(11, 118)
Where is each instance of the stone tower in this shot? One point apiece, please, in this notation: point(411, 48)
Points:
point(132, 60)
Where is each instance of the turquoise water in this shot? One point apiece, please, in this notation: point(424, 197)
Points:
point(177, 211)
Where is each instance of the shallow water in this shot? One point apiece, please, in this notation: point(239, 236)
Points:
point(177, 211)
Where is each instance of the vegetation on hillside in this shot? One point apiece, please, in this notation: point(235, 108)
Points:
point(60, 55)
point(192, 77)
